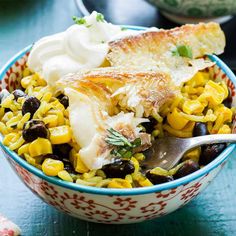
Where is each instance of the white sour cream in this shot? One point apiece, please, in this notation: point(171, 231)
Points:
point(79, 47)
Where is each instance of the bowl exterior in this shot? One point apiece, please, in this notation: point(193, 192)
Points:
point(116, 208)
point(113, 209)
point(196, 8)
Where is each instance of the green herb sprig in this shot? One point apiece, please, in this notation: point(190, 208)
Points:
point(123, 147)
point(183, 51)
point(100, 17)
point(79, 20)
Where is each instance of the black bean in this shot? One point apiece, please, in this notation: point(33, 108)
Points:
point(30, 105)
point(210, 152)
point(52, 156)
point(188, 167)
point(3, 95)
point(62, 150)
point(200, 129)
point(64, 100)
point(118, 169)
point(158, 179)
point(34, 129)
point(18, 93)
point(228, 101)
point(149, 126)
point(69, 168)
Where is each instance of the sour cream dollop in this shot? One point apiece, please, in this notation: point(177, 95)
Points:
point(83, 46)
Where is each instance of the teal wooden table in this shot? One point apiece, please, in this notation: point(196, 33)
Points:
point(212, 213)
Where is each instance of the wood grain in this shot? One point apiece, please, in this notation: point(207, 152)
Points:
point(212, 213)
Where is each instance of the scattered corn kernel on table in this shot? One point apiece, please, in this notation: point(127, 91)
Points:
point(212, 213)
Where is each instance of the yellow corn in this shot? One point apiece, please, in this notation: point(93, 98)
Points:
point(57, 105)
point(34, 161)
point(89, 175)
point(225, 129)
point(193, 155)
point(139, 156)
point(26, 81)
point(223, 114)
point(60, 134)
point(52, 167)
point(176, 119)
point(50, 121)
point(23, 120)
point(192, 107)
point(24, 149)
point(40, 146)
point(11, 138)
point(199, 79)
point(63, 174)
point(189, 127)
point(145, 183)
point(119, 183)
point(177, 133)
point(214, 93)
point(17, 144)
point(159, 171)
point(79, 165)
point(136, 164)
point(3, 128)
point(26, 72)
point(40, 81)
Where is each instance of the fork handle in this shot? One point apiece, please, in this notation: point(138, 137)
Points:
point(211, 139)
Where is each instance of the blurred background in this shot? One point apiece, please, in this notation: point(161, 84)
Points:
point(22, 22)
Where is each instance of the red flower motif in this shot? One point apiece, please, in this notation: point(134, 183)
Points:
point(7, 232)
point(125, 203)
point(49, 190)
point(167, 194)
point(190, 192)
point(102, 214)
point(82, 203)
point(154, 207)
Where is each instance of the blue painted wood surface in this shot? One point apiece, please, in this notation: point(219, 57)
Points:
point(211, 213)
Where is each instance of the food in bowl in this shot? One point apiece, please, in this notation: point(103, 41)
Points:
point(94, 97)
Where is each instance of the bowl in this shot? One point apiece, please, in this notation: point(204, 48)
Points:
point(114, 206)
point(194, 11)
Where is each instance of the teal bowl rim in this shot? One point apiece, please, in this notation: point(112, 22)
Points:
point(124, 192)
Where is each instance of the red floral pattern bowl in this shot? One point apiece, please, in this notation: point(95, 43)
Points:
point(114, 206)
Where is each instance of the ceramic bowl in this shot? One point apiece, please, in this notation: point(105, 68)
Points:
point(191, 11)
point(114, 206)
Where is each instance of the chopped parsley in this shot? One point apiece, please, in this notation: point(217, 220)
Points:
point(123, 147)
point(183, 51)
point(79, 20)
point(100, 17)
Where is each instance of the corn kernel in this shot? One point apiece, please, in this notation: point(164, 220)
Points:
point(63, 174)
point(214, 93)
point(139, 156)
point(135, 163)
point(145, 183)
point(26, 72)
point(26, 81)
point(24, 149)
point(50, 121)
point(159, 171)
point(40, 146)
point(79, 165)
point(52, 167)
point(176, 120)
point(60, 134)
point(225, 129)
point(177, 133)
point(199, 79)
point(192, 107)
point(119, 183)
point(193, 155)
